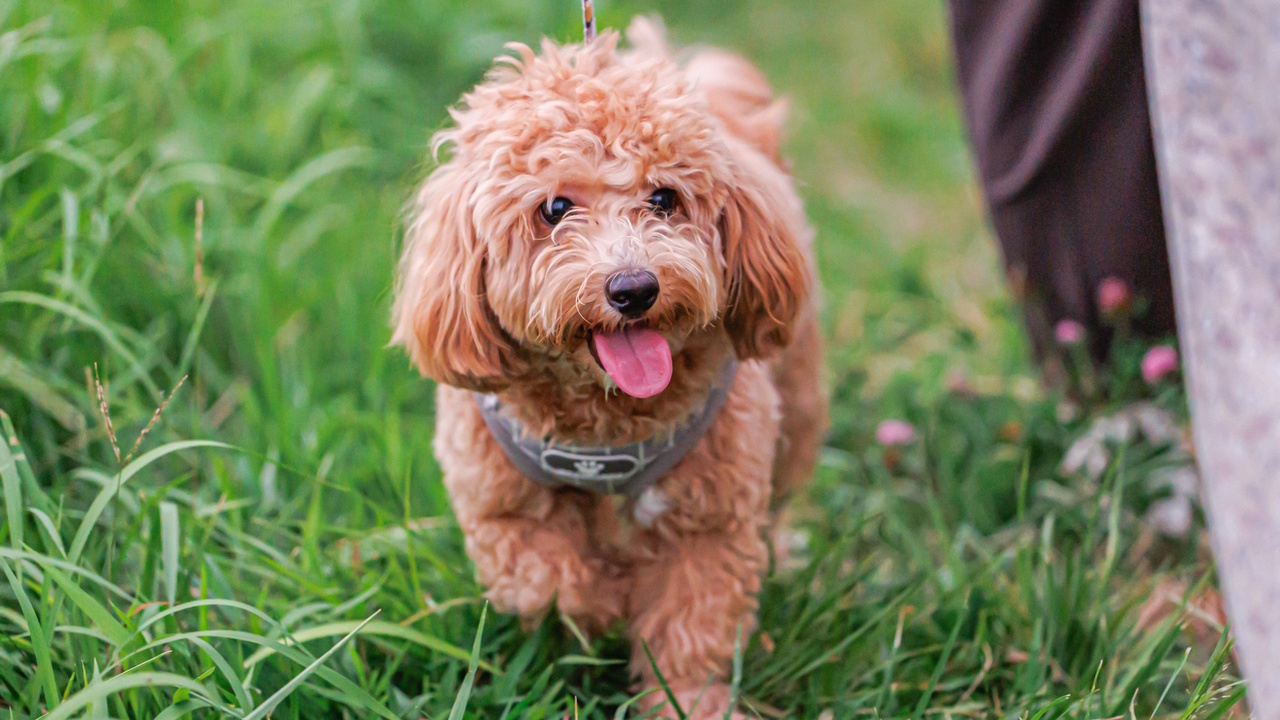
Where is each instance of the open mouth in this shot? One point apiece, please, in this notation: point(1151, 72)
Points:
point(636, 357)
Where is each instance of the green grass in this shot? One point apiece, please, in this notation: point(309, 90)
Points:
point(281, 544)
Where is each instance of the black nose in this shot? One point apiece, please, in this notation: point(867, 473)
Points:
point(632, 292)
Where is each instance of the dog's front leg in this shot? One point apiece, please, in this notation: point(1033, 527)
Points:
point(698, 567)
point(527, 560)
point(689, 599)
point(530, 544)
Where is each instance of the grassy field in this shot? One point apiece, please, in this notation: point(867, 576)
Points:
point(288, 497)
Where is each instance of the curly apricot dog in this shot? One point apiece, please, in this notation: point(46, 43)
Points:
point(611, 278)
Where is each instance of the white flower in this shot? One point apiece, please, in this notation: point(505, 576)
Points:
point(1158, 425)
point(1172, 516)
point(1091, 452)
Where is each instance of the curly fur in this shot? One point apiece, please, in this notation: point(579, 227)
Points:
point(491, 298)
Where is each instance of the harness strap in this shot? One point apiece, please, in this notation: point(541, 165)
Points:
point(613, 470)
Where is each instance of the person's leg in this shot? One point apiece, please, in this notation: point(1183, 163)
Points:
point(1055, 100)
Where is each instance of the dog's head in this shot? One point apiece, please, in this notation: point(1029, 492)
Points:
point(597, 208)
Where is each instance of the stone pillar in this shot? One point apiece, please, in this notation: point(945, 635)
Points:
point(1214, 75)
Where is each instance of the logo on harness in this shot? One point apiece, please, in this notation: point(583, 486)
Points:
point(570, 465)
point(588, 468)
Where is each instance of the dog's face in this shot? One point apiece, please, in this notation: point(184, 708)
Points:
point(594, 213)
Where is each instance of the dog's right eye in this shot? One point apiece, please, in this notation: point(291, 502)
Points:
point(553, 212)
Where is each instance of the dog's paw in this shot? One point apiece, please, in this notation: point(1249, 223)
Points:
point(598, 602)
point(594, 594)
point(529, 602)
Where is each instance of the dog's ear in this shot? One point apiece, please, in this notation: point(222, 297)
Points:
point(765, 236)
point(441, 315)
point(648, 35)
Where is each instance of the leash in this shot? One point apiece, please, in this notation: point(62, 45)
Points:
point(588, 22)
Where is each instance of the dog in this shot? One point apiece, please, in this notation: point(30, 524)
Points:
point(611, 278)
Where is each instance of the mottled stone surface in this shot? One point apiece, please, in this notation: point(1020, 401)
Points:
point(1214, 67)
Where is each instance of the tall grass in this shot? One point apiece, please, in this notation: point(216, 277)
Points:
point(280, 544)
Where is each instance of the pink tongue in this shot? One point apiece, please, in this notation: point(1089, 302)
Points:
point(638, 359)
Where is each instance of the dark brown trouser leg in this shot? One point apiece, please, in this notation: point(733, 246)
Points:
point(1056, 104)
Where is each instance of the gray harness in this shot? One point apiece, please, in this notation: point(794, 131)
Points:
point(606, 469)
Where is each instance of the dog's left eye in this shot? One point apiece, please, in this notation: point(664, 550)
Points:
point(554, 211)
point(664, 200)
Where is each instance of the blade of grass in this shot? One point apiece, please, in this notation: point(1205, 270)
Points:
point(939, 668)
point(1201, 695)
point(334, 161)
point(353, 693)
point(35, 495)
point(39, 643)
point(197, 326)
point(180, 710)
point(94, 610)
point(1169, 685)
point(849, 639)
point(621, 714)
point(215, 602)
point(580, 636)
point(103, 499)
point(589, 661)
point(376, 628)
point(270, 703)
point(108, 335)
point(1227, 705)
point(169, 544)
point(50, 530)
point(1055, 707)
point(473, 663)
point(662, 682)
point(18, 376)
point(106, 688)
point(1143, 673)
point(220, 663)
point(12, 493)
point(735, 684)
point(46, 561)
